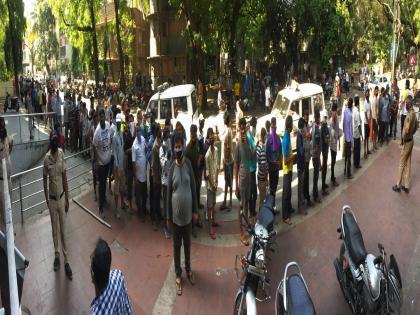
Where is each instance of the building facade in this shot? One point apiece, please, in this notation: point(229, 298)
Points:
point(167, 59)
point(136, 58)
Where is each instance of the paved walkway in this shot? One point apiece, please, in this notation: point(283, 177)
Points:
point(146, 257)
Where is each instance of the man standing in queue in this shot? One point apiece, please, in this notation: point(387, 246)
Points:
point(102, 140)
point(55, 188)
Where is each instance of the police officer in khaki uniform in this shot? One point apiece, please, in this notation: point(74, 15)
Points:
point(409, 129)
point(57, 198)
point(6, 145)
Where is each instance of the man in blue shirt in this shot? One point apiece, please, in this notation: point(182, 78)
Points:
point(110, 290)
point(273, 150)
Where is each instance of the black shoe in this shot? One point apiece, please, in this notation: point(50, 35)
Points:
point(309, 203)
point(325, 193)
point(396, 188)
point(317, 200)
point(56, 263)
point(406, 190)
point(69, 273)
point(326, 186)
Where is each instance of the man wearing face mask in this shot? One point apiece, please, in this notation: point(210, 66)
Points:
point(181, 204)
point(118, 172)
point(138, 158)
point(194, 154)
point(102, 141)
point(129, 137)
point(57, 197)
point(6, 145)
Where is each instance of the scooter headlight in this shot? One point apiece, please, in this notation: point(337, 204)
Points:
point(260, 259)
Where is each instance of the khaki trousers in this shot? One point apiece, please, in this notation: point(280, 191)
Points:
point(57, 215)
point(404, 171)
point(262, 188)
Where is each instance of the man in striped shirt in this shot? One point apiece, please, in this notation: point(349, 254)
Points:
point(262, 166)
point(111, 292)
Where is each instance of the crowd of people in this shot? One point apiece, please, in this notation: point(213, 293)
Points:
point(147, 162)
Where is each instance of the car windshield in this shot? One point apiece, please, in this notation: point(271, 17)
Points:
point(281, 104)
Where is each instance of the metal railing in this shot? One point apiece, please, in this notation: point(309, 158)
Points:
point(34, 118)
point(10, 244)
point(18, 177)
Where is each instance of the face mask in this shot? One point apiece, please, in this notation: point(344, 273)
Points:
point(179, 154)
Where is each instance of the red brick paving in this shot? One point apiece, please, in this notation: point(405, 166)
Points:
point(384, 216)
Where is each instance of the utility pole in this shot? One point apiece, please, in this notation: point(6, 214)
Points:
point(395, 37)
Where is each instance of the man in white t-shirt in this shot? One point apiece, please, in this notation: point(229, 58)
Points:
point(138, 157)
point(102, 140)
point(374, 110)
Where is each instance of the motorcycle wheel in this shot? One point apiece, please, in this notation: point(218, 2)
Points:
point(240, 305)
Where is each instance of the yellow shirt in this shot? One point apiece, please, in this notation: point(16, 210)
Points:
point(237, 88)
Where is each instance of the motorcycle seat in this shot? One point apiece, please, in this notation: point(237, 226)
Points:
point(266, 218)
point(299, 301)
point(353, 239)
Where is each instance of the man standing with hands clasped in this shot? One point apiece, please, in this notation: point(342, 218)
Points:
point(55, 188)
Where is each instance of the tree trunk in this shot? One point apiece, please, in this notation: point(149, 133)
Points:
point(47, 66)
point(120, 50)
point(95, 43)
point(15, 45)
point(232, 50)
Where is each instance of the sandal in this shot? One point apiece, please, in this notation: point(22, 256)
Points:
point(191, 277)
point(178, 283)
point(288, 221)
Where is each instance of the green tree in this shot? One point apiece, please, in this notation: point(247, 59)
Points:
point(15, 31)
point(45, 29)
point(30, 43)
point(78, 20)
point(119, 44)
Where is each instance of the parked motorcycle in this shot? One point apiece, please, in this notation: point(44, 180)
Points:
point(254, 264)
point(292, 296)
point(370, 285)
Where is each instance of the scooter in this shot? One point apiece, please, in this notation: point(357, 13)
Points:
point(370, 285)
point(254, 265)
point(292, 296)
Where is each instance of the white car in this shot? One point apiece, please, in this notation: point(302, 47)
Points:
point(382, 81)
point(177, 103)
point(296, 101)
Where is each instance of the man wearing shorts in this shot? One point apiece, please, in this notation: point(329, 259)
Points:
point(211, 176)
point(119, 170)
point(243, 156)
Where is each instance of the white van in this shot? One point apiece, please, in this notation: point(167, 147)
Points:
point(177, 103)
point(296, 101)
